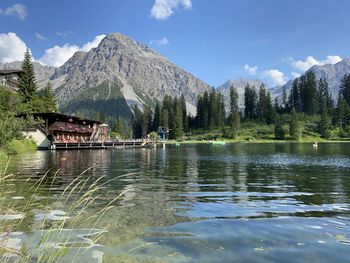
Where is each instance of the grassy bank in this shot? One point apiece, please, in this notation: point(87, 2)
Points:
point(15, 147)
point(256, 133)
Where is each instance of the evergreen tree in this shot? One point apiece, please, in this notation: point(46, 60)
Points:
point(206, 108)
point(250, 101)
point(213, 109)
point(279, 131)
point(343, 113)
point(48, 98)
point(284, 99)
point(309, 93)
point(235, 120)
point(263, 105)
point(221, 115)
point(27, 82)
point(146, 121)
point(119, 127)
point(345, 88)
point(156, 117)
point(178, 123)
point(137, 120)
point(271, 112)
point(184, 113)
point(27, 85)
point(324, 125)
point(294, 129)
point(165, 119)
point(325, 100)
point(294, 101)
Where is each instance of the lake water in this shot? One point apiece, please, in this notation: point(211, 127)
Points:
point(282, 202)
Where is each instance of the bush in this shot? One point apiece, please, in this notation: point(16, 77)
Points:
point(10, 129)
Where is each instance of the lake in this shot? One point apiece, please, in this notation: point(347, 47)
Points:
point(242, 202)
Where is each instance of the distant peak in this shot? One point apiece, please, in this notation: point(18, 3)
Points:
point(117, 36)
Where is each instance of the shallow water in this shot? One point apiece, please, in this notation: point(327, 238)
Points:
point(283, 202)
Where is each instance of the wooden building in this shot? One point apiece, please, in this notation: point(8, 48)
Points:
point(9, 78)
point(60, 128)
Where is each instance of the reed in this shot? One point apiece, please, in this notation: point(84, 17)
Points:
point(56, 237)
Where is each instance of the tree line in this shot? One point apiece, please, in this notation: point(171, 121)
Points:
point(308, 98)
point(27, 100)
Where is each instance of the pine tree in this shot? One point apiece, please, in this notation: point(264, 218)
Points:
point(156, 117)
point(279, 131)
point(250, 101)
point(165, 119)
point(270, 116)
point(263, 105)
point(324, 125)
point(27, 84)
point(343, 113)
point(213, 109)
point(294, 101)
point(235, 120)
point(119, 127)
point(184, 113)
point(325, 99)
point(309, 93)
point(48, 98)
point(137, 119)
point(146, 121)
point(345, 88)
point(294, 129)
point(221, 111)
point(284, 99)
point(178, 123)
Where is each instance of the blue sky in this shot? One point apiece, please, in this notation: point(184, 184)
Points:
point(273, 40)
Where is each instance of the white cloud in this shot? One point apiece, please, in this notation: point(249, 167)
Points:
point(64, 34)
point(276, 76)
point(295, 74)
point(304, 65)
point(163, 9)
point(89, 45)
point(18, 10)
point(40, 36)
point(12, 48)
point(161, 42)
point(251, 70)
point(58, 55)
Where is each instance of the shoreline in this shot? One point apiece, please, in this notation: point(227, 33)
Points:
point(304, 140)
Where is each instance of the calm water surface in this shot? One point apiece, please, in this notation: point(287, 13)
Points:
point(205, 203)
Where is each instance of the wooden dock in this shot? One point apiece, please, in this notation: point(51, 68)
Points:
point(97, 145)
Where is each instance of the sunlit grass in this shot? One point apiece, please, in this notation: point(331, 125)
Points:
point(18, 199)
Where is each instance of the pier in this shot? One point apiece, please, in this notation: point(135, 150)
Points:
point(98, 145)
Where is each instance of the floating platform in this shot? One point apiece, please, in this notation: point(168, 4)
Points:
point(217, 142)
point(97, 145)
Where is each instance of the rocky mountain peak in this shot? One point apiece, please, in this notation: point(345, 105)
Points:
point(122, 68)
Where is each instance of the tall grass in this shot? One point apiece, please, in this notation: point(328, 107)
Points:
point(56, 237)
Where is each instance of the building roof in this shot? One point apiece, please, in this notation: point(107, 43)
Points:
point(10, 71)
point(54, 116)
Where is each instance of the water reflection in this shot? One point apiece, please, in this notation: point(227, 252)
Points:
point(215, 203)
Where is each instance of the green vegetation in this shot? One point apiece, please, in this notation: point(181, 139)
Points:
point(307, 113)
point(52, 238)
point(27, 100)
point(107, 104)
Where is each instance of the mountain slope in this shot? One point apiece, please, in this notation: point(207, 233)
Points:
point(121, 72)
point(331, 73)
point(240, 85)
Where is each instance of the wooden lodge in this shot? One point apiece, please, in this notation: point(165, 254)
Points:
point(9, 78)
point(60, 131)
